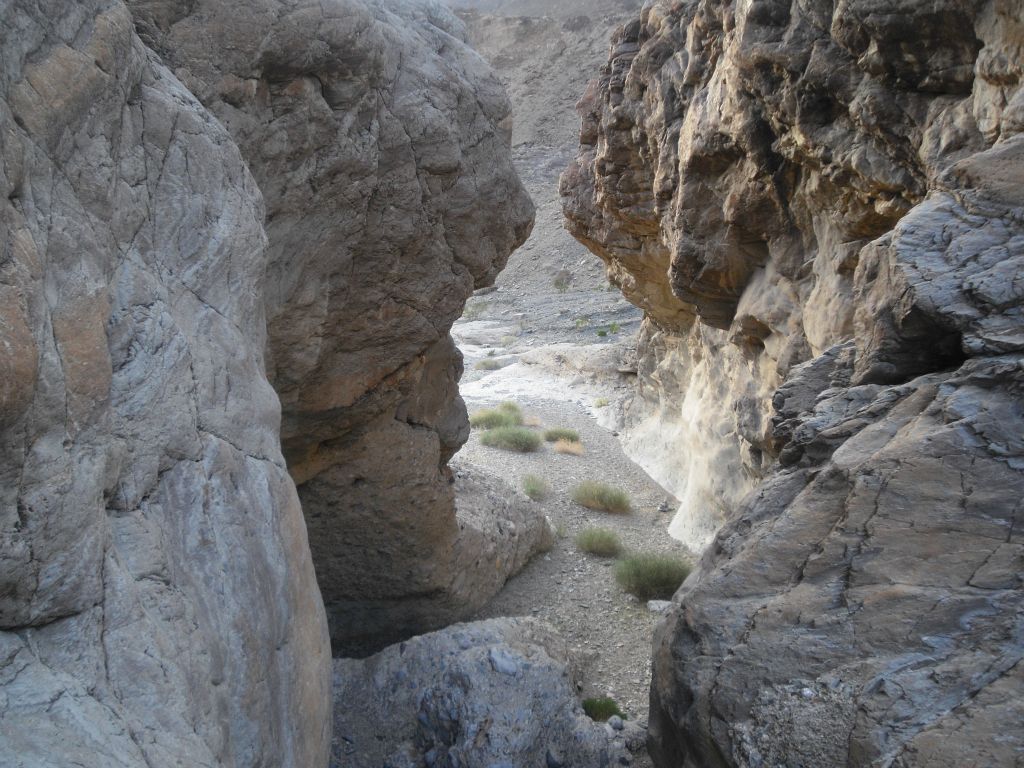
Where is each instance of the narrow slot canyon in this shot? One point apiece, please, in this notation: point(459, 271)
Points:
point(511, 384)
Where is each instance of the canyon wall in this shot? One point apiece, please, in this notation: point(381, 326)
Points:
point(158, 604)
point(204, 203)
point(380, 141)
point(820, 207)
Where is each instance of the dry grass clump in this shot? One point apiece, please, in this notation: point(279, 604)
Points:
point(601, 496)
point(561, 433)
point(535, 487)
point(601, 402)
point(505, 415)
point(489, 364)
point(599, 541)
point(516, 439)
point(568, 447)
point(651, 576)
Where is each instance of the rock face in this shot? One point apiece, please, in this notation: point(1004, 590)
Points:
point(380, 141)
point(825, 228)
point(491, 693)
point(158, 604)
point(164, 265)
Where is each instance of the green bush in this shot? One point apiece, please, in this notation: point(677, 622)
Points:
point(602, 497)
point(651, 576)
point(517, 439)
point(535, 487)
point(601, 709)
point(602, 333)
point(561, 433)
point(601, 402)
point(495, 417)
point(599, 541)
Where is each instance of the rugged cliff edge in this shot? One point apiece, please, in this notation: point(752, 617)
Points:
point(821, 209)
point(311, 223)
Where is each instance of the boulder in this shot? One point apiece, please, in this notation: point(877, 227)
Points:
point(492, 693)
point(380, 141)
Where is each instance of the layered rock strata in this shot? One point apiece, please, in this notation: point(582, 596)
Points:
point(158, 604)
point(491, 693)
point(381, 143)
point(822, 215)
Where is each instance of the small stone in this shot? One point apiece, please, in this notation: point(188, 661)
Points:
point(616, 722)
point(659, 606)
point(807, 693)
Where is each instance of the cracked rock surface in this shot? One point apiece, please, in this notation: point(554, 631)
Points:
point(826, 231)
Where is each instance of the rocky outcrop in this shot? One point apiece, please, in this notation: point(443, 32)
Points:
point(381, 144)
point(498, 692)
point(822, 216)
point(158, 604)
point(734, 165)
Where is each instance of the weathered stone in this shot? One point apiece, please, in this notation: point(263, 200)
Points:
point(380, 141)
point(157, 598)
point(491, 693)
point(825, 227)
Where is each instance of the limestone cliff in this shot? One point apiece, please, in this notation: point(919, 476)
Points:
point(381, 143)
point(820, 206)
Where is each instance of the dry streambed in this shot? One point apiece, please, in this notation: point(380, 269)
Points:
point(609, 630)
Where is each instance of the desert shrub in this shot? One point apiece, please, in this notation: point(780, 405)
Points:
point(495, 417)
point(511, 408)
point(602, 333)
point(535, 487)
point(517, 439)
point(582, 322)
point(651, 576)
point(569, 447)
point(561, 433)
point(562, 280)
point(473, 310)
point(599, 541)
point(601, 402)
point(489, 364)
point(602, 708)
point(602, 497)
point(614, 328)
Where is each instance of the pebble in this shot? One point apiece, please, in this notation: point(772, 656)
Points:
point(616, 723)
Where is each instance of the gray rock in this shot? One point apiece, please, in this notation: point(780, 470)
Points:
point(497, 692)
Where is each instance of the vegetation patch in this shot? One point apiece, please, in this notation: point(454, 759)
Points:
point(601, 402)
point(599, 541)
point(602, 708)
point(517, 439)
point(602, 497)
point(535, 487)
point(561, 433)
point(651, 576)
point(494, 418)
point(490, 364)
point(568, 447)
